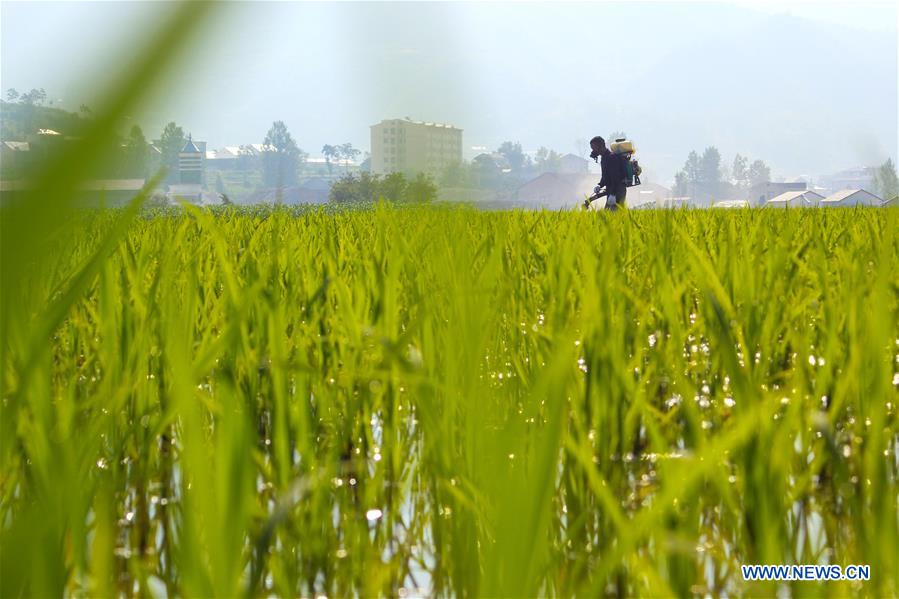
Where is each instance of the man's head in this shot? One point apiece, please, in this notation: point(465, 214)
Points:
point(598, 147)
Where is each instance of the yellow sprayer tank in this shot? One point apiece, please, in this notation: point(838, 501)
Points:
point(623, 146)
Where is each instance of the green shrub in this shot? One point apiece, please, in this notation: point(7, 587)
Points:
point(394, 187)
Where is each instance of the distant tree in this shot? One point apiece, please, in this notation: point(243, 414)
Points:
point(702, 176)
point(330, 153)
point(136, 154)
point(393, 187)
point(23, 121)
point(343, 191)
point(485, 172)
point(514, 154)
point(886, 182)
point(421, 190)
point(739, 172)
point(352, 189)
point(35, 97)
point(348, 153)
point(758, 173)
point(688, 178)
point(710, 171)
point(547, 160)
point(170, 144)
point(280, 157)
point(681, 184)
point(456, 174)
point(692, 168)
point(368, 186)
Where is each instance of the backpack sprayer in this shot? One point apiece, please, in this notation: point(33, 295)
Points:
point(625, 150)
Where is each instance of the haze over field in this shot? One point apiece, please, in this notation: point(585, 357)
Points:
point(810, 89)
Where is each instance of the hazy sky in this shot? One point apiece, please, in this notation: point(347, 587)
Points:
point(544, 74)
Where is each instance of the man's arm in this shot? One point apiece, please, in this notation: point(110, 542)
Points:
point(601, 189)
point(604, 165)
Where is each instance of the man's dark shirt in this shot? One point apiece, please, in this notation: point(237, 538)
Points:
point(612, 172)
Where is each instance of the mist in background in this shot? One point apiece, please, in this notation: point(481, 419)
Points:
point(808, 87)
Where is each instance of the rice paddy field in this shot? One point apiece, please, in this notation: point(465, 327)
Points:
point(403, 401)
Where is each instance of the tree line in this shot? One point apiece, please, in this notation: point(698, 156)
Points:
point(704, 178)
point(279, 163)
point(395, 187)
point(134, 156)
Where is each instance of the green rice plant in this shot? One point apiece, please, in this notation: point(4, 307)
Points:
point(454, 402)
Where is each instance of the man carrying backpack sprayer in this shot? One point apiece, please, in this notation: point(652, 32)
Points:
point(613, 184)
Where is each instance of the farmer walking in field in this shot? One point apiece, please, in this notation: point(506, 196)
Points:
point(612, 184)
